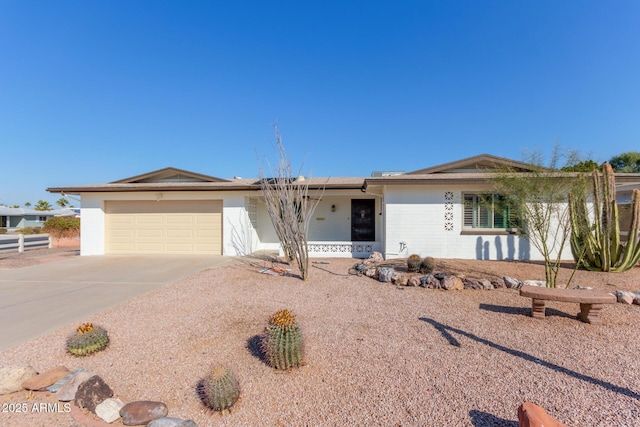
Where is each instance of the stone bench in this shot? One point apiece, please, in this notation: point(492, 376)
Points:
point(591, 301)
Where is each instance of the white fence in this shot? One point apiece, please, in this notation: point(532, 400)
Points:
point(23, 242)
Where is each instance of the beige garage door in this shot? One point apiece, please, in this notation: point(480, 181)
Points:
point(164, 227)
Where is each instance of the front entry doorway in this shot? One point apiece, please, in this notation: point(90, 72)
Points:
point(363, 220)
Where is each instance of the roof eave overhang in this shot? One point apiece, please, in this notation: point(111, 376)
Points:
point(141, 188)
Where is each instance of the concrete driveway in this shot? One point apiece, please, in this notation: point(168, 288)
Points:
point(39, 299)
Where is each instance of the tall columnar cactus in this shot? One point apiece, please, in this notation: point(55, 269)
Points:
point(87, 339)
point(282, 341)
point(413, 263)
point(220, 389)
point(597, 245)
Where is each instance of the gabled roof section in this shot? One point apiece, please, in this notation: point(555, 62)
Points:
point(169, 175)
point(480, 163)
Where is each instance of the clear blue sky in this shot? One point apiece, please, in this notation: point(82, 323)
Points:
point(96, 91)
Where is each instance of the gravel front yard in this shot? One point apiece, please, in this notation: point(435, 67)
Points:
point(376, 354)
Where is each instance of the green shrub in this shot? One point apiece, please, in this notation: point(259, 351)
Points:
point(29, 230)
point(3, 231)
point(62, 226)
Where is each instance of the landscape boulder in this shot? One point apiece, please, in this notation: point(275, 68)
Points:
point(414, 281)
point(452, 283)
point(539, 283)
point(429, 281)
point(44, 380)
point(532, 415)
point(109, 409)
point(486, 284)
point(374, 258)
point(385, 274)
point(512, 283)
point(472, 284)
point(400, 279)
point(67, 391)
point(625, 297)
point(171, 422)
point(12, 377)
point(91, 393)
point(142, 412)
point(498, 284)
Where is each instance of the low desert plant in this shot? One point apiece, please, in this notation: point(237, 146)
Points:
point(61, 226)
point(87, 339)
point(413, 263)
point(282, 342)
point(3, 231)
point(427, 265)
point(29, 230)
point(220, 389)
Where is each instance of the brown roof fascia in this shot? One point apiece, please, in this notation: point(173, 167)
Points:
point(449, 178)
point(244, 185)
point(481, 158)
point(163, 171)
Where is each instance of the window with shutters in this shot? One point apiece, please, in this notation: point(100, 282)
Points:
point(488, 211)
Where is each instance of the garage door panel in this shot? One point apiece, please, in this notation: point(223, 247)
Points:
point(122, 246)
point(149, 220)
point(123, 219)
point(186, 233)
point(179, 219)
point(180, 247)
point(170, 227)
point(149, 233)
point(122, 234)
point(149, 247)
point(207, 234)
point(206, 219)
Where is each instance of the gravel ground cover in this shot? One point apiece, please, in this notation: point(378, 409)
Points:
point(376, 354)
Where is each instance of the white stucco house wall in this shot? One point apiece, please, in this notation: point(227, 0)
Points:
point(431, 212)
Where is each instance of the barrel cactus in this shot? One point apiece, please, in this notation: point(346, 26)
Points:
point(87, 339)
point(282, 342)
point(427, 265)
point(220, 389)
point(413, 263)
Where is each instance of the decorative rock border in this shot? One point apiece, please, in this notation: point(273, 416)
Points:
point(87, 398)
point(374, 267)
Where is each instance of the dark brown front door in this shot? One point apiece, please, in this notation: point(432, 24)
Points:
point(363, 220)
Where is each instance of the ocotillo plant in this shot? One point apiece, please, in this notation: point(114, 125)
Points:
point(596, 245)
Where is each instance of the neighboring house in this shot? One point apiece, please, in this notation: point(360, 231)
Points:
point(440, 211)
point(13, 219)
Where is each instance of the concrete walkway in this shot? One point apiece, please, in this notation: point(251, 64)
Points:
point(39, 299)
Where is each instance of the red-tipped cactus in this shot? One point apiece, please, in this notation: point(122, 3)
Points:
point(87, 339)
point(282, 342)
